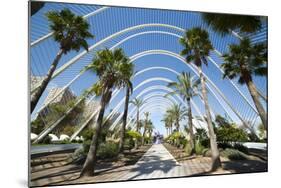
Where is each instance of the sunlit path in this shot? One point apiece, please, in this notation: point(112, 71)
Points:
point(157, 162)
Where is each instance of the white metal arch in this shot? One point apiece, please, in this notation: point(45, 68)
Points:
point(193, 68)
point(51, 33)
point(164, 52)
point(160, 32)
point(165, 88)
point(152, 95)
point(211, 59)
point(163, 108)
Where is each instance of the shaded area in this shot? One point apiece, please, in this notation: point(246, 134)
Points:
point(256, 162)
point(59, 169)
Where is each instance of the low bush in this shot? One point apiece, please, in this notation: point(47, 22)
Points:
point(46, 140)
point(241, 148)
point(234, 154)
point(133, 135)
point(206, 152)
point(129, 144)
point(205, 143)
point(199, 148)
point(187, 148)
point(224, 145)
point(107, 150)
point(86, 146)
point(183, 142)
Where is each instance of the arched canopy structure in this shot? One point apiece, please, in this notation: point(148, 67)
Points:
point(150, 38)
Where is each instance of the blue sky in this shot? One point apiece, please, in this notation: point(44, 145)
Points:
point(115, 19)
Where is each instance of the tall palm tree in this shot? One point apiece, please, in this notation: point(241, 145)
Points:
point(197, 46)
point(149, 128)
point(138, 103)
point(71, 32)
point(129, 90)
point(225, 23)
point(114, 70)
point(146, 121)
point(186, 86)
point(177, 113)
point(35, 7)
point(168, 121)
point(243, 61)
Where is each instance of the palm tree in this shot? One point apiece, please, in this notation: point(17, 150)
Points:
point(146, 121)
point(149, 128)
point(225, 23)
point(168, 121)
point(114, 70)
point(197, 46)
point(35, 7)
point(177, 114)
point(186, 86)
point(71, 32)
point(243, 61)
point(138, 103)
point(129, 90)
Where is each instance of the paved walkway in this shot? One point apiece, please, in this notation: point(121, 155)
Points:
point(157, 162)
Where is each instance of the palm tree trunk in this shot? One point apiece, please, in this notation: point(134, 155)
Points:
point(178, 126)
point(216, 163)
point(143, 135)
point(123, 128)
point(255, 96)
point(89, 165)
point(137, 128)
point(39, 91)
point(192, 141)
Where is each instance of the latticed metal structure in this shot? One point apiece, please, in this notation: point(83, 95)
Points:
point(150, 38)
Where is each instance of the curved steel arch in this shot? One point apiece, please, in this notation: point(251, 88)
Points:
point(159, 87)
point(137, 27)
point(151, 95)
point(51, 33)
point(211, 59)
point(192, 67)
point(168, 90)
point(177, 73)
point(163, 108)
point(136, 56)
point(164, 52)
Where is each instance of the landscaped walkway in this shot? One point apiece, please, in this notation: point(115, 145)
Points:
point(157, 162)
